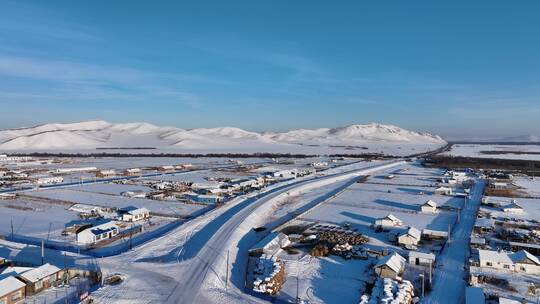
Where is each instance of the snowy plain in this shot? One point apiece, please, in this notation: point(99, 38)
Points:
point(526, 152)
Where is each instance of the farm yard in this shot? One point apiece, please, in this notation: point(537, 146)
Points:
point(341, 240)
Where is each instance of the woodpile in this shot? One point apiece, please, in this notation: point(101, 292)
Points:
point(389, 291)
point(342, 237)
point(347, 251)
point(269, 275)
point(319, 251)
point(333, 234)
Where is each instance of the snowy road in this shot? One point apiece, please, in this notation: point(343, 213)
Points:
point(203, 252)
point(449, 276)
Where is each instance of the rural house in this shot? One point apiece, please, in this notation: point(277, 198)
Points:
point(521, 261)
point(12, 290)
point(166, 169)
point(105, 173)
point(132, 172)
point(40, 278)
point(97, 233)
point(207, 198)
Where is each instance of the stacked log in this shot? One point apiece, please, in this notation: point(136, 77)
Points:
point(269, 275)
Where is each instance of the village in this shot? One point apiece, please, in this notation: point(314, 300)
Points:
point(73, 206)
point(504, 261)
point(396, 236)
point(105, 206)
point(389, 234)
point(390, 227)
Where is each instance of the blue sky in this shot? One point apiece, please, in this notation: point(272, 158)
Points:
point(459, 69)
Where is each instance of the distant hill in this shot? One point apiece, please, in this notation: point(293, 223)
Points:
point(89, 135)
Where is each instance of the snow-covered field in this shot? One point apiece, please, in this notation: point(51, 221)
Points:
point(323, 280)
point(110, 188)
point(474, 150)
point(363, 203)
point(34, 218)
point(73, 195)
point(529, 185)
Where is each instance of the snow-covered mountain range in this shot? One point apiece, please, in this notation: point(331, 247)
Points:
point(101, 134)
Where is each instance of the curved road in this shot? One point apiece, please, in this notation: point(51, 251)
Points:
point(203, 251)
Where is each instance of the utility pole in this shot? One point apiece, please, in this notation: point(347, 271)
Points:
point(297, 289)
point(49, 232)
point(458, 214)
point(227, 273)
point(66, 278)
point(422, 276)
point(12, 234)
point(66, 275)
point(42, 251)
point(430, 278)
point(131, 237)
point(449, 234)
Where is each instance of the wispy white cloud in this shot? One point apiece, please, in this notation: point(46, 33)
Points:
point(64, 80)
point(38, 23)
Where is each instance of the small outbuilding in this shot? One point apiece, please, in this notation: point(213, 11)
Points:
point(411, 236)
point(513, 207)
point(133, 214)
point(484, 225)
point(388, 221)
point(443, 191)
point(429, 207)
point(421, 258)
point(271, 244)
point(134, 194)
point(434, 234)
point(390, 266)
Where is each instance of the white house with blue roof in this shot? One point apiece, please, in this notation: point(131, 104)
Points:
point(97, 233)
